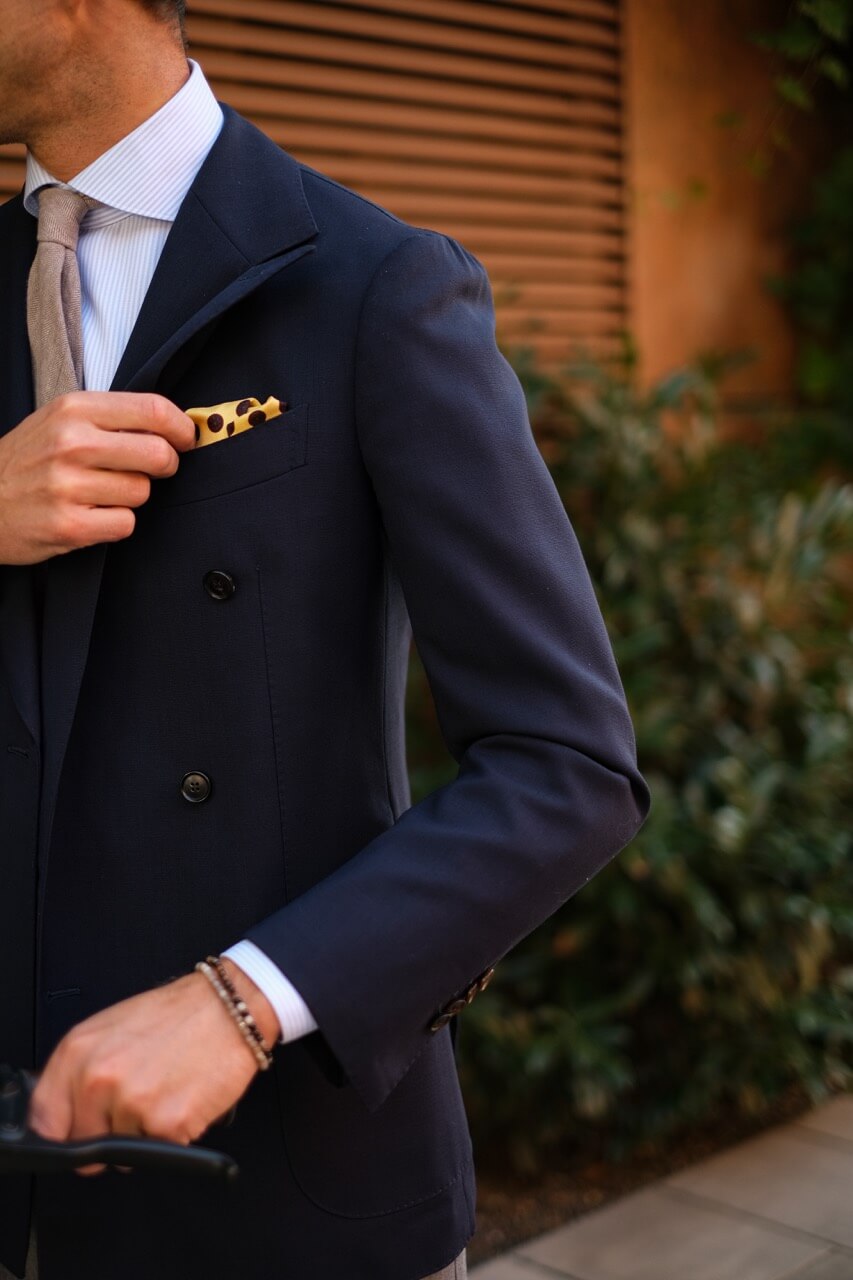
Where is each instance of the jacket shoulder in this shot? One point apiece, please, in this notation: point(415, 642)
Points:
point(368, 224)
point(356, 229)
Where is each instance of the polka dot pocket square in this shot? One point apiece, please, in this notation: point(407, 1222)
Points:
point(221, 421)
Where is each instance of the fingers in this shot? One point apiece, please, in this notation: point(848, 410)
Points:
point(73, 471)
point(80, 445)
point(147, 436)
point(128, 1125)
point(53, 1116)
point(107, 488)
point(50, 1111)
point(84, 526)
point(92, 1105)
point(96, 1127)
point(72, 1099)
point(151, 1064)
point(128, 411)
point(117, 431)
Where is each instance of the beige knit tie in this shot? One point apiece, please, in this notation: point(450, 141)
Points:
point(54, 317)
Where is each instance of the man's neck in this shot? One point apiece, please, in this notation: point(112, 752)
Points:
point(64, 149)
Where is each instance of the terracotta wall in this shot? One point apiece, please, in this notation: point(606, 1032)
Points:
point(508, 125)
point(706, 225)
point(499, 123)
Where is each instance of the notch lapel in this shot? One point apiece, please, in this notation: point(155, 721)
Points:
point(244, 218)
point(224, 243)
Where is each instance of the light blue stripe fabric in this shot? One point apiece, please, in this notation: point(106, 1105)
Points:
point(142, 181)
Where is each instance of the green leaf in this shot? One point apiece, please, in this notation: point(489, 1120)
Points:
point(758, 162)
point(795, 92)
point(798, 40)
point(817, 372)
point(833, 17)
point(834, 70)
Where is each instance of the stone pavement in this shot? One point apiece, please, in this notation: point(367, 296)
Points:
point(775, 1207)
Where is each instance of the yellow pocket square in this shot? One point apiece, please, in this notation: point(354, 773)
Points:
point(220, 421)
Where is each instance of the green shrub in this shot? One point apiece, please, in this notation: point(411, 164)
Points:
point(812, 47)
point(711, 963)
point(819, 294)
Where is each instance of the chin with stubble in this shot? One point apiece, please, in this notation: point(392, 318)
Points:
point(34, 68)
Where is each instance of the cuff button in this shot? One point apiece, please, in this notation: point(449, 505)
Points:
point(484, 979)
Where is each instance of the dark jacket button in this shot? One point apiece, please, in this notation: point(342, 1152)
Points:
point(219, 585)
point(195, 787)
point(441, 1021)
point(456, 1006)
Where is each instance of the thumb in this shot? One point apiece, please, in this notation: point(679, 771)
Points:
point(49, 1113)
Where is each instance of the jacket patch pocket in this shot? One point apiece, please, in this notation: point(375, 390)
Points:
point(359, 1164)
point(249, 457)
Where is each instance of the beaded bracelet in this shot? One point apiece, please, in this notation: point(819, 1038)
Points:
point(236, 998)
point(239, 1011)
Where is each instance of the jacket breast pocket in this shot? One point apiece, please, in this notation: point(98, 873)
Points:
point(236, 462)
point(355, 1163)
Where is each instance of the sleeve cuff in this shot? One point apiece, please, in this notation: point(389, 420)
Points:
point(291, 1010)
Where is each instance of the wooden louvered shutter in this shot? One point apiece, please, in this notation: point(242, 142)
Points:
point(498, 123)
point(11, 170)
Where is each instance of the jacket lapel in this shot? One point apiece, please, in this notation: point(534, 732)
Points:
point(244, 219)
point(224, 243)
point(18, 639)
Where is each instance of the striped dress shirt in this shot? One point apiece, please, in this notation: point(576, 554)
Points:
point(141, 181)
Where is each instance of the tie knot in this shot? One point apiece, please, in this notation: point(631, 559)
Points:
point(61, 211)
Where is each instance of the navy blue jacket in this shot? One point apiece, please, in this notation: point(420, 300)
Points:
point(401, 492)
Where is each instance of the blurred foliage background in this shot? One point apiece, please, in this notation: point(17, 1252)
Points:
point(813, 46)
point(710, 965)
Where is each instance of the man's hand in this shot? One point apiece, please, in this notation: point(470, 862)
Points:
point(71, 472)
point(167, 1063)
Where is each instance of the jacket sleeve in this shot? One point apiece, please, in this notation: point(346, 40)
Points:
point(528, 696)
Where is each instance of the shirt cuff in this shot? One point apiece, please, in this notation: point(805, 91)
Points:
point(291, 1010)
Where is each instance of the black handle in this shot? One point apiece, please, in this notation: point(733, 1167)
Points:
point(23, 1151)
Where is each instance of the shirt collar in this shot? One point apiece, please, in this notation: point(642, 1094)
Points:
point(151, 169)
